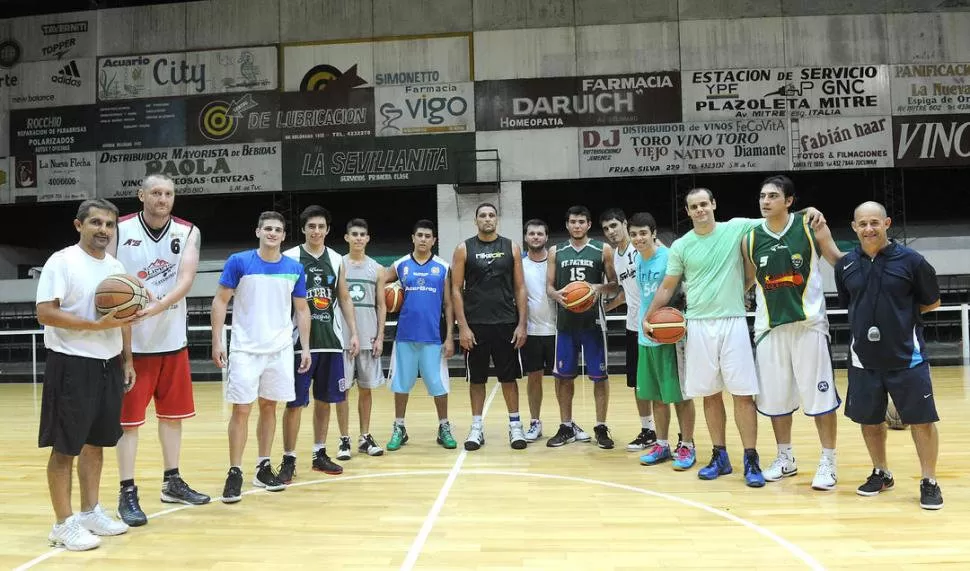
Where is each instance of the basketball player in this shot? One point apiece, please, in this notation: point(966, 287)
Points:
point(419, 346)
point(538, 355)
point(659, 365)
point(490, 307)
point(89, 366)
point(268, 287)
point(580, 259)
point(365, 281)
point(781, 256)
point(163, 251)
point(614, 224)
point(718, 347)
point(326, 279)
point(887, 287)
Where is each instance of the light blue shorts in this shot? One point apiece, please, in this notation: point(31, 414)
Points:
point(410, 359)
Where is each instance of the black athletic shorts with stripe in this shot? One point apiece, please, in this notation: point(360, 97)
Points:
point(493, 342)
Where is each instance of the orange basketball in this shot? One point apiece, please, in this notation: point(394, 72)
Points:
point(579, 297)
point(393, 297)
point(669, 325)
point(122, 292)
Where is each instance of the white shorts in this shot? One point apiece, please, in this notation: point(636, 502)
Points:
point(365, 368)
point(266, 375)
point(719, 356)
point(795, 368)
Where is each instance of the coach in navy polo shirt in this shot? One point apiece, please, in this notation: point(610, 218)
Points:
point(887, 287)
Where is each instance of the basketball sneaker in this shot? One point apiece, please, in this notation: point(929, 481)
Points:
point(720, 465)
point(129, 509)
point(476, 438)
point(343, 449)
point(656, 455)
point(398, 438)
point(877, 482)
point(603, 438)
point(176, 491)
point(581, 435)
point(783, 467)
point(287, 469)
point(684, 457)
point(367, 445)
point(232, 492)
point(644, 440)
point(752, 471)
point(445, 438)
point(825, 478)
point(100, 523)
point(565, 435)
point(72, 536)
point(930, 496)
point(516, 436)
point(323, 463)
point(267, 479)
point(534, 432)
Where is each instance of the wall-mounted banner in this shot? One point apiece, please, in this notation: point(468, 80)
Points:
point(328, 114)
point(5, 181)
point(381, 161)
point(4, 131)
point(425, 109)
point(737, 93)
point(53, 83)
point(252, 167)
point(932, 140)
point(233, 118)
point(544, 103)
point(51, 178)
point(638, 150)
point(931, 88)
point(141, 124)
point(840, 90)
point(56, 36)
point(49, 131)
point(841, 143)
point(187, 73)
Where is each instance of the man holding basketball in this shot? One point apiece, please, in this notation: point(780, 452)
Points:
point(89, 366)
point(163, 251)
point(267, 286)
point(490, 307)
point(580, 259)
point(539, 352)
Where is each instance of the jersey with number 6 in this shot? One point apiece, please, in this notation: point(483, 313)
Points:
point(584, 264)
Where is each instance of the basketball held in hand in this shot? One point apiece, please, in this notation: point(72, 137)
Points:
point(393, 297)
point(668, 324)
point(120, 292)
point(579, 297)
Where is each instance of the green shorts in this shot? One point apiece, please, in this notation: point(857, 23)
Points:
point(657, 375)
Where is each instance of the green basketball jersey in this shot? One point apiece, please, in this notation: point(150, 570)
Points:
point(326, 335)
point(579, 265)
point(789, 286)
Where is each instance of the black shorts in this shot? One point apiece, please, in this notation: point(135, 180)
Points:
point(632, 357)
point(81, 403)
point(495, 342)
point(538, 354)
point(910, 389)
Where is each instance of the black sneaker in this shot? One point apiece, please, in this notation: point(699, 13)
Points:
point(603, 438)
point(232, 493)
point(930, 496)
point(878, 482)
point(176, 491)
point(287, 469)
point(129, 510)
point(644, 440)
point(343, 449)
point(267, 478)
point(323, 463)
point(565, 435)
point(367, 446)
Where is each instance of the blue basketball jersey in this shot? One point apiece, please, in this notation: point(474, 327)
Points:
point(424, 295)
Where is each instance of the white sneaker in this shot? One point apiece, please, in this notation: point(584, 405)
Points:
point(343, 449)
point(782, 467)
point(581, 435)
point(534, 432)
point(825, 477)
point(476, 437)
point(516, 436)
point(100, 523)
point(72, 536)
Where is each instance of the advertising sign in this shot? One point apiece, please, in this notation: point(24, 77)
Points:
point(932, 140)
point(4, 130)
point(328, 114)
point(425, 109)
point(736, 93)
point(841, 143)
point(49, 178)
point(543, 103)
point(53, 83)
point(934, 88)
point(5, 181)
point(233, 118)
point(56, 36)
point(840, 90)
point(141, 123)
point(50, 131)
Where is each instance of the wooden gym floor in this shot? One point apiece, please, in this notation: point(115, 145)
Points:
point(576, 507)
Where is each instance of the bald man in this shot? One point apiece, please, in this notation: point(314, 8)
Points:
point(886, 288)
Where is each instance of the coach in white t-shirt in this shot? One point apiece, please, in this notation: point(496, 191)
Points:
point(88, 368)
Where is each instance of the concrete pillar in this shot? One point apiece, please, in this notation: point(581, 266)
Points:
point(456, 214)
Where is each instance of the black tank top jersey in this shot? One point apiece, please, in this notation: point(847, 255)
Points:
point(488, 295)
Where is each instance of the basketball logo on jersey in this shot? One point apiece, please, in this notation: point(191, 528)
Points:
point(321, 297)
point(796, 261)
point(783, 280)
point(158, 268)
point(435, 270)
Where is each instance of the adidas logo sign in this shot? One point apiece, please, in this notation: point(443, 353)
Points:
point(69, 75)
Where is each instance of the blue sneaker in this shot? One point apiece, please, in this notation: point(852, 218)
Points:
point(656, 455)
point(684, 458)
point(752, 471)
point(720, 466)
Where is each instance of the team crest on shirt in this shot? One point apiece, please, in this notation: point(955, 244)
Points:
point(435, 270)
point(796, 260)
point(356, 293)
point(823, 386)
point(158, 269)
point(404, 270)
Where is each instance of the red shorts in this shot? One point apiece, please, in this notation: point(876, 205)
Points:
point(168, 379)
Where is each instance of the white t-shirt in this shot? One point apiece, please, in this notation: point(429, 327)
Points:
point(71, 276)
point(625, 264)
point(542, 309)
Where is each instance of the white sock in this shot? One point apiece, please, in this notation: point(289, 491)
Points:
point(663, 443)
point(318, 447)
point(398, 422)
point(689, 444)
point(646, 423)
point(260, 460)
point(290, 453)
point(442, 421)
point(828, 453)
point(787, 451)
point(477, 420)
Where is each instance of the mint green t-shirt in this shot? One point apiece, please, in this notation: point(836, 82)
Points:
point(712, 269)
